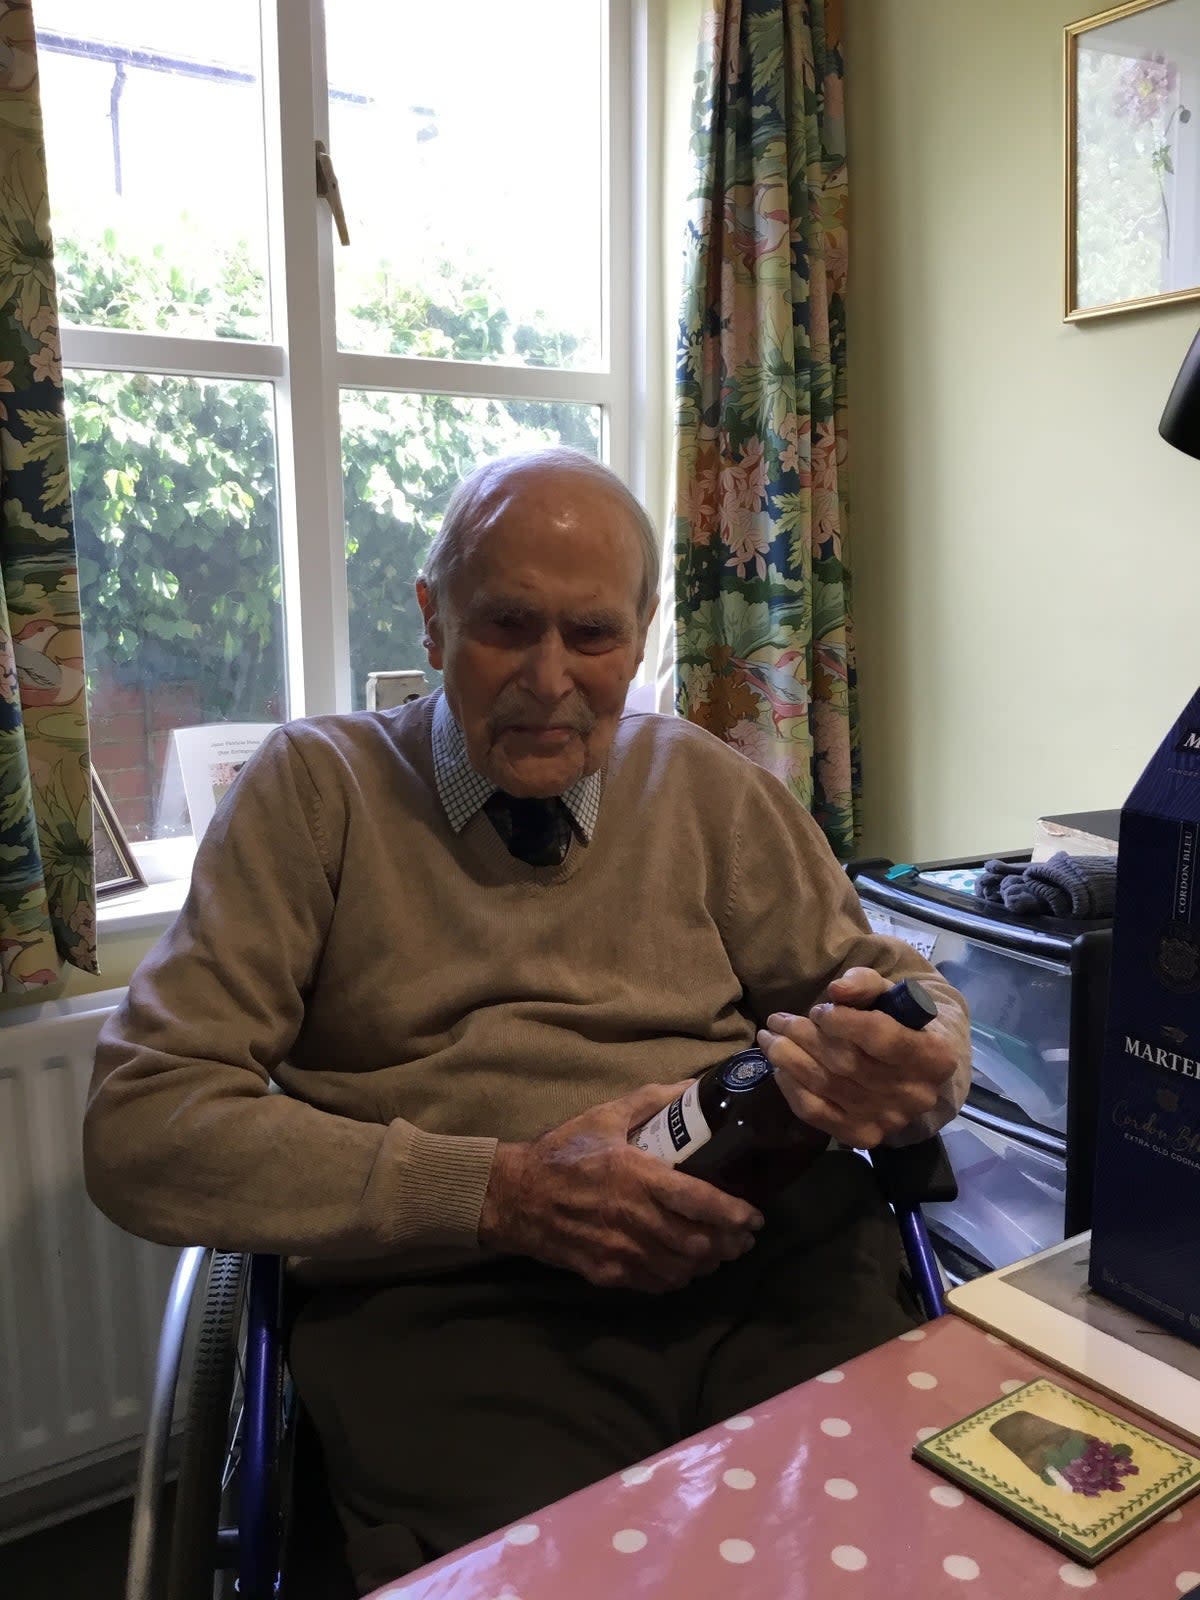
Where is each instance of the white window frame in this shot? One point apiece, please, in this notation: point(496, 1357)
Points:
point(306, 370)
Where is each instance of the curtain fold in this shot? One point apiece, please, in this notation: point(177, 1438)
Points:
point(764, 649)
point(47, 880)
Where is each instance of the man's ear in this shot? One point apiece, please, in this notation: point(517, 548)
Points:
point(433, 628)
point(646, 621)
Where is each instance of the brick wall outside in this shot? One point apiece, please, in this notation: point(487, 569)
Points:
point(130, 733)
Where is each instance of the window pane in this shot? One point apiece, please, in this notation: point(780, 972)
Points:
point(154, 145)
point(468, 142)
point(177, 526)
point(402, 456)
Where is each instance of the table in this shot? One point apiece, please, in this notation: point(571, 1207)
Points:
point(814, 1496)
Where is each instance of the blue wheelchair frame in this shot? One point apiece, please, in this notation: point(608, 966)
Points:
point(907, 1176)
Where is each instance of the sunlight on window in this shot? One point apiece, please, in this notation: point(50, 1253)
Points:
point(155, 153)
point(471, 145)
point(177, 527)
point(471, 177)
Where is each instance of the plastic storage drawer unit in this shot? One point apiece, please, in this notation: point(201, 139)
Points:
point(1024, 1146)
point(1011, 1201)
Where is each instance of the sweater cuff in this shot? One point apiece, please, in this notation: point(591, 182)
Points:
point(441, 1180)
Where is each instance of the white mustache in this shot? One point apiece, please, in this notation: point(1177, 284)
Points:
point(574, 714)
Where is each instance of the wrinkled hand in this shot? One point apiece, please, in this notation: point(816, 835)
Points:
point(857, 1075)
point(583, 1198)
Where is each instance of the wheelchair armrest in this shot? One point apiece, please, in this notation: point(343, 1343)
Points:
point(912, 1173)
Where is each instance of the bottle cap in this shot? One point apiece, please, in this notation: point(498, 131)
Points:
point(909, 1002)
point(744, 1070)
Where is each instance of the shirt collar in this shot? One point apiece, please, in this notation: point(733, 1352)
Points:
point(463, 791)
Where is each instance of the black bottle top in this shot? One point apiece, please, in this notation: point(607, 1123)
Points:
point(909, 1002)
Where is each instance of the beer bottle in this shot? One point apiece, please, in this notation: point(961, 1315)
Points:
point(734, 1128)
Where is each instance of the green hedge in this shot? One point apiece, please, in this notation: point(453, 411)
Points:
point(174, 479)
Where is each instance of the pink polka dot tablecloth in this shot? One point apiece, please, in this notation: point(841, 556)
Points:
point(814, 1496)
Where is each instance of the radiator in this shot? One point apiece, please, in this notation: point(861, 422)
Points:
point(80, 1300)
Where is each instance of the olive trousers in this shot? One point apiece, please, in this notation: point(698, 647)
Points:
point(451, 1405)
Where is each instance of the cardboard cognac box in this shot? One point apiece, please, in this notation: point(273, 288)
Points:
point(1146, 1211)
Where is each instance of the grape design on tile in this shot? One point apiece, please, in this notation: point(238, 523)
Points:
point(1078, 1462)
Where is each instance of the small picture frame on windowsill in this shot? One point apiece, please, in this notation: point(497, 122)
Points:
point(117, 871)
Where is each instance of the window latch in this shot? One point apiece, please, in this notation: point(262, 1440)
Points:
point(327, 188)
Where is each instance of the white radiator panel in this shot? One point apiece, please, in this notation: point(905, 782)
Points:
point(80, 1300)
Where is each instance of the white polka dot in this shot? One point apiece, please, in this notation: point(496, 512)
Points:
point(1173, 1516)
point(738, 1551)
point(1076, 1577)
point(738, 1478)
point(840, 1488)
point(1010, 1384)
point(632, 1475)
point(523, 1533)
point(629, 1541)
point(737, 1424)
point(922, 1380)
point(960, 1567)
point(1186, 1581)
point(834, 1375)
point(926, 1433)
point(914, 1335)
point(849, 1557)
point(944, 1494)
point(835, 1427)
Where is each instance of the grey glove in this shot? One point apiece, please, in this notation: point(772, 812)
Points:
point(1065, 886)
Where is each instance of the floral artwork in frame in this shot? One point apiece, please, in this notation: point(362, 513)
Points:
point(1132, 97)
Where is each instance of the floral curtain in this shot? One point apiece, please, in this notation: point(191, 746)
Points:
point(47, 890)
point(764, 655)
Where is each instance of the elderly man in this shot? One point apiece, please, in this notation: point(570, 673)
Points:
point(476, 940)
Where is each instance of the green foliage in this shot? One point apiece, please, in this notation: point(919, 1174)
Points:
point(208, 294)
point(174, 479)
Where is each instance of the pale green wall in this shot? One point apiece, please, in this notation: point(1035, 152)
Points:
point(1027, 550)
point(119, 954)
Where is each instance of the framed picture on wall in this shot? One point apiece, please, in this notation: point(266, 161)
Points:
point(1132, 101)
point(116, 868)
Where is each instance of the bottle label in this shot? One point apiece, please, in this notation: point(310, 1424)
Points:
point(677, 1131)
point(743, 1071)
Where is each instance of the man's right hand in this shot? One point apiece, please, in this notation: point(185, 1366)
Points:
point(582, 1197)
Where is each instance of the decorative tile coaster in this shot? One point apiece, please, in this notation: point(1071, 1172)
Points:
point(1064, 1468)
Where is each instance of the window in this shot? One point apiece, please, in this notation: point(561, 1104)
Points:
point(265, 426)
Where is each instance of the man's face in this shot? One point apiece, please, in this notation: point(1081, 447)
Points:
point(539, 635)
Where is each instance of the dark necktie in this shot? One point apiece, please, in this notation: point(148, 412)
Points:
point(536, 831)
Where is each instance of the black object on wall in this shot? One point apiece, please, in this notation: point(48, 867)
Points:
point(1180, 424)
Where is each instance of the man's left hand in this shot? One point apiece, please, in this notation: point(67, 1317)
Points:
point(858, 1075)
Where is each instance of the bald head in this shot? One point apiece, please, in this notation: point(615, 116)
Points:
point(536, 599)
point(482, 497)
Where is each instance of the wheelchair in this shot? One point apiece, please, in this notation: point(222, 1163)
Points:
point(251, 1517)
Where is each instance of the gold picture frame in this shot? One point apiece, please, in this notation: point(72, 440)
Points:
point(1132, 158)
point(116, 867)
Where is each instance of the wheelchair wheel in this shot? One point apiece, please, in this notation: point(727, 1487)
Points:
point(211, 1443)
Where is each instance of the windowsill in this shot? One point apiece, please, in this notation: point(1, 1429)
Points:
point(167, 867)
point(167, 863)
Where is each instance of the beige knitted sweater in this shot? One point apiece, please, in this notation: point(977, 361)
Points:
point(419, 995)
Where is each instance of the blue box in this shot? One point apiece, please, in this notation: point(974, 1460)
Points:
point(1146, 1204)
